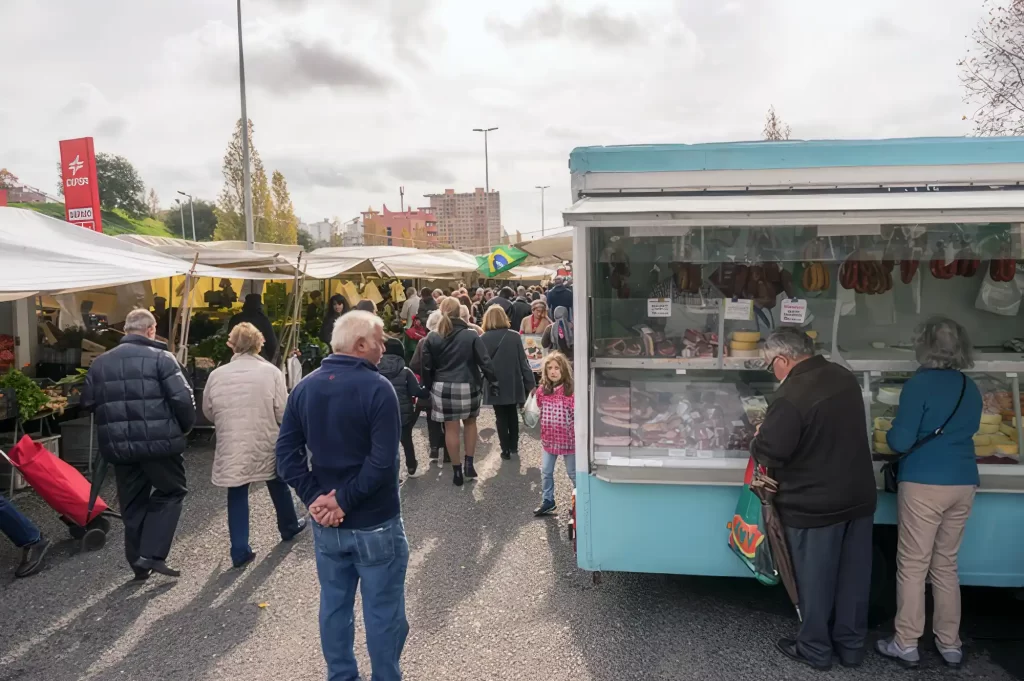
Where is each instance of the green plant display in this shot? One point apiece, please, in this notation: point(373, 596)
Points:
point(30, 396)
point(214, 347)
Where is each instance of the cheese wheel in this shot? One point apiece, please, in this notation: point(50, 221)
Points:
point(746, 336)
point(812, 334)
point(999, 439)
point(1008, 449)
point(982, 439)
point(880, 436)
point(988, 428)
point(991, 418)
point(742, 345)
point(987, 450)
point(882, 448)
point(1008, 431)
point(882, 423)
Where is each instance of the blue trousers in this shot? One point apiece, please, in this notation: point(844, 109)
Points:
point(238, 516)
point(375, 560)
point(16, 526)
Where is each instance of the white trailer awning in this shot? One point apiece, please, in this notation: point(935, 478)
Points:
point(800, 209)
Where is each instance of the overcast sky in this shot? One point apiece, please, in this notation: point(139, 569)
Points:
point(352, 98)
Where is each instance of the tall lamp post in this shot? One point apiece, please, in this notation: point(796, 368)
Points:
point(192, 212)
point(181, 211)
point(250, 233)
point(487, 187)
point(542, 188)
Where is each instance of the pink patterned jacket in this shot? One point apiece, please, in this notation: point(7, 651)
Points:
point(557, 421)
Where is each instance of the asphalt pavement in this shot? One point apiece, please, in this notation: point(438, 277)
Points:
point(493, 593)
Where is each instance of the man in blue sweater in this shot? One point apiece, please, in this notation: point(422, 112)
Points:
point(338, 448)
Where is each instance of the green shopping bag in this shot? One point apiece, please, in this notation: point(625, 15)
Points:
point(747, 537)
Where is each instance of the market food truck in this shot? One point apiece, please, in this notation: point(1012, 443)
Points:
point(687, 256)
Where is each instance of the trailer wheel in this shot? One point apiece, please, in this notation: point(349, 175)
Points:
point(94, 540)
point(76, 531)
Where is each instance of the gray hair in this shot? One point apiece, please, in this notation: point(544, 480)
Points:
point(139, 321)
point(410, 292)
point(788, 342)
point(433, 320)
point(353, 327)
point(941, 343)
point(521, 291)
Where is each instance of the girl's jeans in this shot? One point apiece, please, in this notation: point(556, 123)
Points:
point(547, 472)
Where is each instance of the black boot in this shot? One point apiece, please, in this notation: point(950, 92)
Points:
point(411, 467)
point(470, 471)
point(156, 566)
point(457, 475)
point(32, 558)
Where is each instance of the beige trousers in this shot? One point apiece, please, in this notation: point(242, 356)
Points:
point(931, 527)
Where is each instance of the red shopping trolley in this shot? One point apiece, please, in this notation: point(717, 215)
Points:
point(65, 490)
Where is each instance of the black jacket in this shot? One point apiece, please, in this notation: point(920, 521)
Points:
point(252, 312)
point(427, 305)
point(392, 367)
point(814, 442)
point(143, 404)
point(504, 303)
point(515, 378)
point(457, 358)
point(519, 311)
point(559, 296)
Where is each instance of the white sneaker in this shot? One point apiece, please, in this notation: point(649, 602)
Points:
point(953, 657)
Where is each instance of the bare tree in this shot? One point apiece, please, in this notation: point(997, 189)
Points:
point(774, 129)
point(993, 70)
point(153, 202)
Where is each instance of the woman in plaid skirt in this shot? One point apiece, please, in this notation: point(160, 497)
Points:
point(453, 360)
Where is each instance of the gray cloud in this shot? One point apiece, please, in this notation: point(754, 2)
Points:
point(552, 22)
point(375, 176)
point(112, 126)
point(297, 65)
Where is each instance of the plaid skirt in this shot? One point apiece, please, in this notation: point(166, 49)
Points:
point(454, 401)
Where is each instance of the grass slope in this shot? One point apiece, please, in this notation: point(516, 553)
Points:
point(114, 221)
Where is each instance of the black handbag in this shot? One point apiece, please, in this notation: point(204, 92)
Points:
point(891, 469)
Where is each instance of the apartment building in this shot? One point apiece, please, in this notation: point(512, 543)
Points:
point(411, 228)
point(469, 222)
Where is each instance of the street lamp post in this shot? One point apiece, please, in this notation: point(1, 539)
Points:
point(487, 186)
point(181, 211)
point(250, 233)
point(192, 212)
point(542, 188)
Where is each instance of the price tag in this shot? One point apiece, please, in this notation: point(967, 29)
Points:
point(677, 452)
point(659, 307)
point(602, 456)
point(739, 310)
point(794, 311)
point(704, 454)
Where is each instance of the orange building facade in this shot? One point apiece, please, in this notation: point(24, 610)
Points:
point(410, 228)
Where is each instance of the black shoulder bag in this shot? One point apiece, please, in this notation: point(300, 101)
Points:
point(891, 469)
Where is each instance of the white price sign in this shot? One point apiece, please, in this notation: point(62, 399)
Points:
point(794, 311)
point(659, 307)
point(739, 310)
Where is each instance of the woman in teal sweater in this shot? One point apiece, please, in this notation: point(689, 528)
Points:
point(936, 491)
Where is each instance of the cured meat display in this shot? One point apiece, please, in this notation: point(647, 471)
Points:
point(656, 344)
point(690, 419)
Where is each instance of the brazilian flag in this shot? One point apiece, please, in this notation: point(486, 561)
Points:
point(500, 259)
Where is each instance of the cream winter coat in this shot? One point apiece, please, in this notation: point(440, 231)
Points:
point(245, 399)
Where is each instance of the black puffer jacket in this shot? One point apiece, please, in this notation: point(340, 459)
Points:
point(459, 357)
point(144, 406)
point(392, 367)
point(252, 312)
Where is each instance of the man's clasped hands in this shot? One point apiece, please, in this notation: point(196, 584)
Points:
point(325, 510)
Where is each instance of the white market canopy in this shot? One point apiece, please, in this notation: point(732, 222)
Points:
point(555, 247)
point(41, 254)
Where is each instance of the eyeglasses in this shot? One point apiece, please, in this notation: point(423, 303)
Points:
point(771, 364)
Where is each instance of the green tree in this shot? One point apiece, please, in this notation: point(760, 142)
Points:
point(305, 240)
point(206, 220)
point(120, 185)
point(9, 180)
point(774, 129)
point(993, 70)
point(286, 224)
point(153, 203)
point(230, 218)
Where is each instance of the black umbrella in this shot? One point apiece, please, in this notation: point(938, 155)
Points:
point(766, 488)
point(98, 475)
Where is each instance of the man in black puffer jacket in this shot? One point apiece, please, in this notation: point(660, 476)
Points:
point(392, 367)
point(144, 409)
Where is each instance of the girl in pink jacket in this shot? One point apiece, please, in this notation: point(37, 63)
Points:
point(557, 426)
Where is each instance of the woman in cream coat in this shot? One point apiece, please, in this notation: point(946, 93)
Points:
point(245, 399)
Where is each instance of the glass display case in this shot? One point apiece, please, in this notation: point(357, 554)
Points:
point(677, 316)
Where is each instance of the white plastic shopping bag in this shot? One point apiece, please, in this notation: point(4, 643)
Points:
point(531, 411)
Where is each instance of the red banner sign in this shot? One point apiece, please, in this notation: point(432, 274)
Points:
point(81, 191)
point(3, 197)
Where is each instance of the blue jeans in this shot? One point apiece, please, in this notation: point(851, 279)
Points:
point(16, 526)
point(375, 560)
point(238, 516)
point(547, 472)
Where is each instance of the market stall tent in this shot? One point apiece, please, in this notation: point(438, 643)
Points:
point(41, 254)
point(554, 247)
